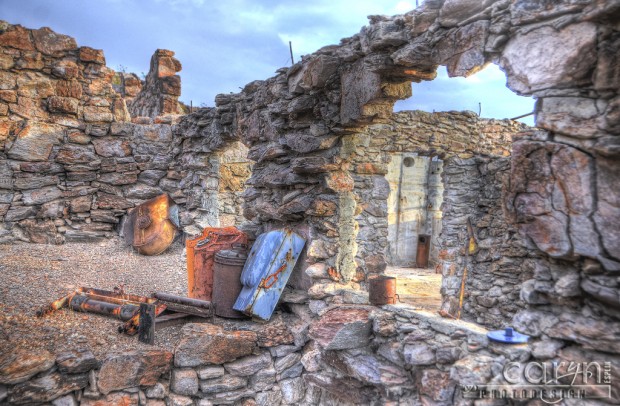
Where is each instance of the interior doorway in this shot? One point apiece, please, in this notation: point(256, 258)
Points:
point(414, 210)
point(414, 225)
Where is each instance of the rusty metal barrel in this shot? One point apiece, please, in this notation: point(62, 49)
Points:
point(382, 290)
point(227, 281)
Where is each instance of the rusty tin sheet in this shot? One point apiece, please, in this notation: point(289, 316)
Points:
point(264, 276)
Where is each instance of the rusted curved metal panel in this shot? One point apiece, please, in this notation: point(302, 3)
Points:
point(151, 227)
point(264, 276)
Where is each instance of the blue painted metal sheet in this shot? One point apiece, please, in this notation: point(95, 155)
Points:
point(269, 265)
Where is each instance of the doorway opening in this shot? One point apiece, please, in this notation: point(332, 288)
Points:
point(414, 225)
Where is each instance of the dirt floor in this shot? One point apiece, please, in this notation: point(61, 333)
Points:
point(418, 287)
point(33, 275)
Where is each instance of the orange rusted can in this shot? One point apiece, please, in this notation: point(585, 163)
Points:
point(382, 290)
point(201, 257)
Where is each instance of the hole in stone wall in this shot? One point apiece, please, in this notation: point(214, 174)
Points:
point(474, 147)
point(484, 93)
point(408, 162)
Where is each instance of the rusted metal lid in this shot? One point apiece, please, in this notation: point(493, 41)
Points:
point(231, 257)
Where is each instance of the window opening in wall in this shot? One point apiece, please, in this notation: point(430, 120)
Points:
point(414, 224)
point(484, 93)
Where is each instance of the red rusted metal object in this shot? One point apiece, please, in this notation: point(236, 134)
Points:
point(151, 227)
point(201, 257)
point(382, 290)
point(118, 304)
point(55, 305)
point(227, 282)
point(423, 251)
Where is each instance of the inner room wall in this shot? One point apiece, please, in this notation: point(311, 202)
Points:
point(414, 206)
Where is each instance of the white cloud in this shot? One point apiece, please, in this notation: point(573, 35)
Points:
point(403, 6)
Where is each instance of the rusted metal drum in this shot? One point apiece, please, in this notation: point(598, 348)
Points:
point(423, 251)
point(227, 281)
point(382, 290)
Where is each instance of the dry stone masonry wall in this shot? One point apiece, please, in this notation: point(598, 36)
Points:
point(302, 128)
point(303, 124)
point(161, 90)
point(73, 160)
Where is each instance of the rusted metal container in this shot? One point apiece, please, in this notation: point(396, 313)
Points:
point(423, 251)
point(227, 282)
point(382, 290)
point(269, 265)
point(201, 256)
point(151, 227)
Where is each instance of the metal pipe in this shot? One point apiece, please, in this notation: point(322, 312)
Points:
point(521, 116)
point(86, 304)
point(188, 301)
point(55, 305)
point(398, 197)
point(116, 295)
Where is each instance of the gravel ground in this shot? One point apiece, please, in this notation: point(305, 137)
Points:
point(33, 275)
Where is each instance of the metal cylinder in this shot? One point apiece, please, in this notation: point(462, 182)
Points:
point(382, 290)
point(423, 251)
point(86, 304)
point(227, 282)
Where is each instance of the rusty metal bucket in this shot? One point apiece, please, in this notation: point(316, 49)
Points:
point(227, 282)
point(201, 256)
point(382, 290)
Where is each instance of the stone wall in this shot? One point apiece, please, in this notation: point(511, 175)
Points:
point(494, 268)
point(303, 127)
point(304, 124)
point(72, 162)
point(161, 90)
point(393, 354)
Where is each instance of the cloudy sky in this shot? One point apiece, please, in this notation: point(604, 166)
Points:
point(223, 45)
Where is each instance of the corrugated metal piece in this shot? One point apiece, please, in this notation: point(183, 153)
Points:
point(269, 265)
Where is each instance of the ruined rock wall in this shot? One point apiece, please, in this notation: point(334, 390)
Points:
point(302, 125)
point(392, 354)
point(72, 162)
point(128, 85)
point(161, 90)
point(494, 268)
